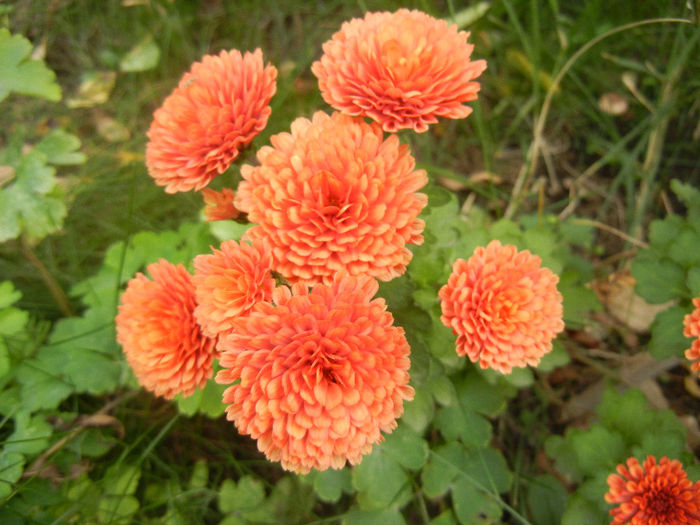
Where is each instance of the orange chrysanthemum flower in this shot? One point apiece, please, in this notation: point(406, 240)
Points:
point(229, 282)
point(217, 108)
point(321, 373)
point(504, 308)
point(334, 196)
point(691, 328)
point(219, 204)
point(402, 69)
point(653, 494)
point(159, 335)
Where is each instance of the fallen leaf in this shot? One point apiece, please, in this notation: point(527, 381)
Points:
point(142, 57)
point(110, 129)
point(613, 104)
point(95, 88)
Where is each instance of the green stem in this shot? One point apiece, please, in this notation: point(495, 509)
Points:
point(56, 291)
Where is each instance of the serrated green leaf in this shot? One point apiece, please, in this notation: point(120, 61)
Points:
point(445, 518)
point(406, 447)
point(380, 478)
point(658, 280)
point(667, 339)
point(578, 301)
point(245, 495)
point(694, 281)
point(8, 294)
point(546, 499)
point(31, 435)
point(330, 484)
point(597, 449)
point(683, 249)
point(29, 204)
point(20, 74)
point(374, 517)
point(475, 393)
point(419, 412)
point(61, 148)
point(472, 506)
point(581, 512)
point(11, 468)
point(200, 475)
point(143, 56)
point(556, 358)
point(442, 390)
point(121, 479)
point(12, 320)
point(662, 232)
point(457, 422)
point(5, 365)
point(507, 231)
point(117, 509)
point(290, 501)
point(40, 386)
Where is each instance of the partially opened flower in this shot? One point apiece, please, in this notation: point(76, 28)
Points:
point(317, 374)
point(402, 69)
point(691, 328)
point(334, 196)
point(159, 335)
point(504, 307)
point(653, 494)
point(217, 108)
point(219, 204)
point(229, 282)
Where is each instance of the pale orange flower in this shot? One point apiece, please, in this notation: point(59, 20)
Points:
point(334, 196)
point(653, 494)
point(402, 69)
point(229, 282)
point(162, 341)
point(504, 308)
point(219, 204)
point(322, 372)
point(691, 328)
point(218, 107)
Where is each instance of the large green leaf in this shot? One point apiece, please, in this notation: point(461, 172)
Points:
point(20, 74)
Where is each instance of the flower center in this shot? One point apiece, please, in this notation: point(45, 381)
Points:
point(332, 204)
point(659, 504)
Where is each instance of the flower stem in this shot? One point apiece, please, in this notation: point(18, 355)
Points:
point(56, 291)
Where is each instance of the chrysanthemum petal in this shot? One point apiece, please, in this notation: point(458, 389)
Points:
point(402, 69)
point(321, 373)
point(218, 107)
point(504, 307)
point(159, 335)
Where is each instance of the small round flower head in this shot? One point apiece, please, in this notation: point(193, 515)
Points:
point(332, 196)
point(161, 339)
point(653, 494)
point(504, 307)
point(402, 69)
point(219, 204)
point(218, 107)
point(321, 373)
point(229, 282)
point(691, 328)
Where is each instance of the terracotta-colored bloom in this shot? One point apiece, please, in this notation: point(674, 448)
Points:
point(402, 69)
point(653, 494)
point(322, 373)
point(334, 196)
point(159, 335)
point(691, 328)
point(229, 282)
point(219, 204)
point(504, 308)
point(217, 108)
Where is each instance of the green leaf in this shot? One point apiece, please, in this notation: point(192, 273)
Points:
point(546, 499)
point(121, 479)
point(597, 449)
point(684, 248)
point(556, 358)
point(11, 468)
point(12, 321)
point(578, 300)
point(330, 484)
point(8, 294)
point(117, 509)
point(658, 280)
point(31, 435)
point(579, 511)
point(445, 518)
point(29, 204)
point(40, 386)
point(200, 475)
point(667, 339)
point(419, 412)
point(60, 148)
point(20, 74)
point(406, 447)
point(246, 495)
point(662, 232)
point(374, 517)
point(458, 422)
point(475, 393)
point(380, 478)
point(472, 506)
point(142, 57)
point(694, 281)
point(290, 501)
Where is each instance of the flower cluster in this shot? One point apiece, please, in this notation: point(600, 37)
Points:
point(504, 307)
point(691, 328)
point(653, 494)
